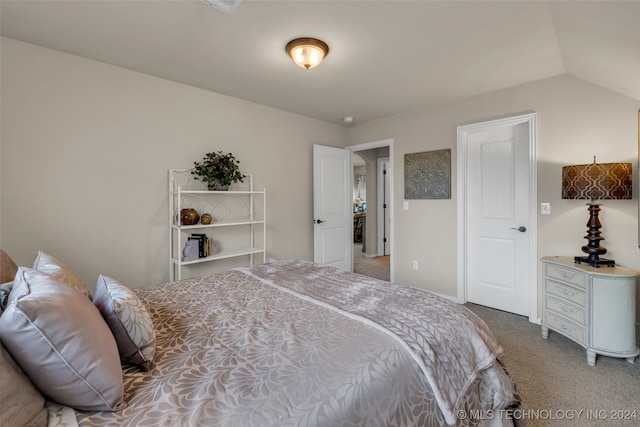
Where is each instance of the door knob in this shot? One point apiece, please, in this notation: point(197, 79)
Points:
point(521, 229)
point(318, 221)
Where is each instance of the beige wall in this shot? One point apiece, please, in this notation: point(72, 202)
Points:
point(86, 148)
point(576, 120)
point(85, 152)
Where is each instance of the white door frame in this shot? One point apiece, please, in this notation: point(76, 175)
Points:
point(463, 132)
point(369, 146)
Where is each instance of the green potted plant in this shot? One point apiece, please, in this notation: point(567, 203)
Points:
point(217, 170)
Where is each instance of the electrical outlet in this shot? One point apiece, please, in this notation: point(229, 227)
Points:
point(415, 264)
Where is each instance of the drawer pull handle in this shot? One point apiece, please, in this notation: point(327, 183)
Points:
point(567, 275)
point(568, 293)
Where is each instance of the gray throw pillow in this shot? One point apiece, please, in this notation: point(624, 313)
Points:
point(59, 270)
point(128, 320)
point(60, 340)
point(5, 290)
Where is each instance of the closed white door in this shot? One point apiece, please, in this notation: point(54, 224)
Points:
point(498, 216)
point(332, 207)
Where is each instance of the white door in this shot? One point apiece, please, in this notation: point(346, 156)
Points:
point(332, 207)
point(498, 216)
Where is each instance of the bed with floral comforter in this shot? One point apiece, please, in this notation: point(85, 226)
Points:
point(293, 343)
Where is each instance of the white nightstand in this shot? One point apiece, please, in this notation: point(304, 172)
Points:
point(595, 307)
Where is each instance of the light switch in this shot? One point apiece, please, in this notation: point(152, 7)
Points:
point(406, 205)
point(545, 208)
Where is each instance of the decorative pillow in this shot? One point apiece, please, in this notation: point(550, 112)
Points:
point(5, 290)
point(60, 340)
point(20, 403)
point(8, 268)
point(128, 320)
point(59, 270)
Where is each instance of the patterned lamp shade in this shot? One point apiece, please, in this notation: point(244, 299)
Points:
point(597, 181)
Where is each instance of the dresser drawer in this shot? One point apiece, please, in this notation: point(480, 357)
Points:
point(565, 327)
point(566, 292)
point(565, 309)
point(567, 275)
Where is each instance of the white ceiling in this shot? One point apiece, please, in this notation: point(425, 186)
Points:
point(385, 57)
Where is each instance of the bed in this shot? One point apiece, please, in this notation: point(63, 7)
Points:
point(292, 343)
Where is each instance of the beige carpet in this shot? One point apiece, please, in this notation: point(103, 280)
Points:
point(556, 381)
point(377, 267)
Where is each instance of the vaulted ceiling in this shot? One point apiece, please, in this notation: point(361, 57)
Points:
point(386, 57)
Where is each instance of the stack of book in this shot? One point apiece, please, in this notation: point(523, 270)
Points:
point(199, 245)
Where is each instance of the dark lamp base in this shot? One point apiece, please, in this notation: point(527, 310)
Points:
point(595, 263)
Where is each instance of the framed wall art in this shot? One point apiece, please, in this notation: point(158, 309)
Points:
point(427, 175)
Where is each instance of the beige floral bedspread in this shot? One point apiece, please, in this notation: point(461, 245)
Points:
point(446, 340)
point(245, 348)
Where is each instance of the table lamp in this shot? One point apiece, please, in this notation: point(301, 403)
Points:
point(595, 182)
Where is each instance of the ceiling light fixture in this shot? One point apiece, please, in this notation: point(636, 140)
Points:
point(307, 52)
point(226, 6)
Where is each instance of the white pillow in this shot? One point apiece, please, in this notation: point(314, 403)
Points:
point(129, 321)
point(59, 270)
point(61, 342)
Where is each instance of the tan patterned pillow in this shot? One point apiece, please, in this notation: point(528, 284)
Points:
point(59, 270)
point(21, 404)
point(8, 268)
point(60, 340)
point(128, 320)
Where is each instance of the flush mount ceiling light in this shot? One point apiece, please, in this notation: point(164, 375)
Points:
point(307, 52)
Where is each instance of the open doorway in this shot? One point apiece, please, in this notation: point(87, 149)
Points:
point(372, 210)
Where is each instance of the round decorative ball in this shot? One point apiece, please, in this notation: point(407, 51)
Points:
point(206, 219)
point(189, 216)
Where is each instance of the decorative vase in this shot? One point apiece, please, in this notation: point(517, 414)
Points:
point(206, 219)
point(216, 186)
point(189, 216)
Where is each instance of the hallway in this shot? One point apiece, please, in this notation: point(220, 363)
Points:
point(377, 267)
